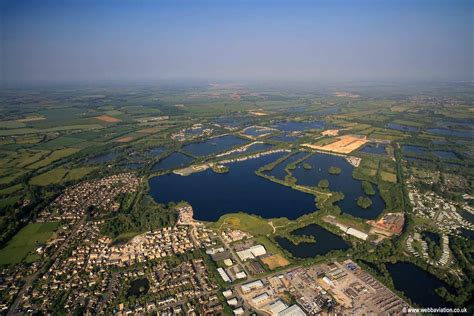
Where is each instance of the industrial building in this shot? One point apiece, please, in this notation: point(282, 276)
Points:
point(247, 287)
point(293, 310)
point(252, 252)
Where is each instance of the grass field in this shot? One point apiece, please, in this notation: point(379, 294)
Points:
point(25, 241)
point(60, 142)
point(61, 174)
point(55, 155)
point(249, 223)
point(388, 176)
point(78, 173)
point(24, 131)
point(9, 201)
point(11, 189)
point(52, 176)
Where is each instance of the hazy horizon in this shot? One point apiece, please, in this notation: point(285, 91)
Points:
point(326, 41)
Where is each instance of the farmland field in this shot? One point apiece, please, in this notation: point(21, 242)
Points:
point(26, 240)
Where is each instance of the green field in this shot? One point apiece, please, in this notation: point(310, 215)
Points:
point(11, 189)
point(249, 223)
point(61, 174)
point(25, 241)
point(78, 173)
point(52, 176)
point(55, 155)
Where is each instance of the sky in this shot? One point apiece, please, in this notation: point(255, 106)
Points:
point(139, 40)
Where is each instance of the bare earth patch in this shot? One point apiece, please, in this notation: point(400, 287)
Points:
point(275, 261)
point(31, 119)
point(124, 139)
point(346, 144)
point(108, 119)
point(330, 132)
point(258, 113)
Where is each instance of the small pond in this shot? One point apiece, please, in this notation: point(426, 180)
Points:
point(138, 287)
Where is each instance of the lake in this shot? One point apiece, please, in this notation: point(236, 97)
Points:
point(422, 151)
point(103, 158)
point(451, 132)
point(257, 131)
point(250, 150)
point(435, 237)
point(132, 165)
point(467, 216)
point(291, 126)
point(156, 151)
point(413, 149)
point(444, 154)
point(421, 292)
point(279, 170)
point(374, 149)
point(403, 128)
point(213, 145)
point(284, 138)
point(344, 182)
point(212, 195)
point(173, 161)
point(325, 242)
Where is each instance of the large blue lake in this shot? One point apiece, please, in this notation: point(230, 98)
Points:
point(213, 195)
point(325, 242)
point(344, 182)
point(213, 145)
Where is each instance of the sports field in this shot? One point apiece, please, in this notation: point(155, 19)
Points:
point(26, 240)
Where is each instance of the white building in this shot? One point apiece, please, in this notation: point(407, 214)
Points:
point(233, 302)
point(259, 299)
point(293, 310)
point(223, 275)
point(241, 275)
point(252, 252)
point(357, 233)
point(247, 287)
point(227, 293)
point(276, 306)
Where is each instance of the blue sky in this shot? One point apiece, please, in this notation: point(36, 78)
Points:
point(141, 40)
